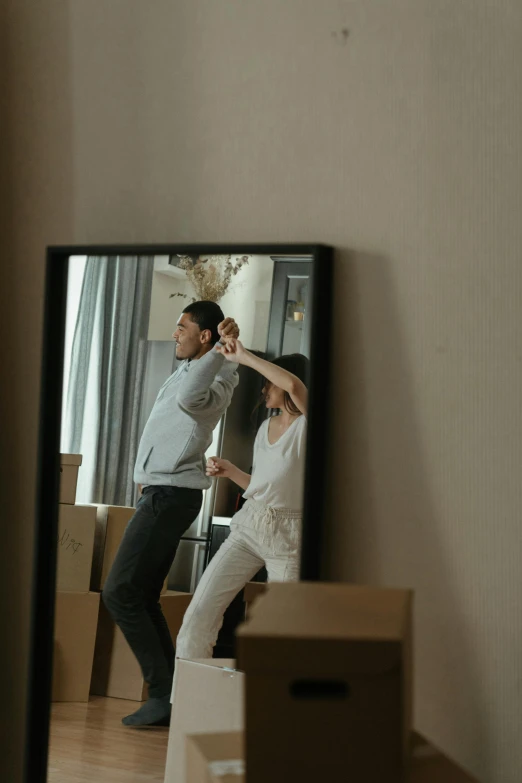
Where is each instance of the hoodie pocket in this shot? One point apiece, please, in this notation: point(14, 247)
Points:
point(147, 458)
point(167, 457)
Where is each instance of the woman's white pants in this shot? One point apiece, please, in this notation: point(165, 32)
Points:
point(259, 536)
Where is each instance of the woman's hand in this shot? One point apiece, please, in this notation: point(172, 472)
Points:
point(218, 468)
point(222, 468)
point(233, 350)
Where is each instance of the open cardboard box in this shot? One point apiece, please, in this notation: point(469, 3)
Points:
point(207, 696)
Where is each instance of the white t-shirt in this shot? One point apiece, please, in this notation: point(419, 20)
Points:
point(278, 469)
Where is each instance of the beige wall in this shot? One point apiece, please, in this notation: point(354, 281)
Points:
point(248, 301)
point(401, 146)
point(36, 194)
point(164, 311)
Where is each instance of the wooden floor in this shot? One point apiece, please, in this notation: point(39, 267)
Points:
point(89, 744)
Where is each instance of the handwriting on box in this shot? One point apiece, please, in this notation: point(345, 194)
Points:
point(69, 543)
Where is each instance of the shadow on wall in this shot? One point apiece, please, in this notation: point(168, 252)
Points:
point(36, 187)
point(383, 526)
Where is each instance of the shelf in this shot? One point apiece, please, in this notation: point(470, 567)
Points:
point(162, 267)
point(295, 325)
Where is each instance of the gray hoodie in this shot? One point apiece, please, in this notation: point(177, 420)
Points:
point(179, 430)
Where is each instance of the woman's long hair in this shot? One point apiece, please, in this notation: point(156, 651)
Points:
point(299, 366)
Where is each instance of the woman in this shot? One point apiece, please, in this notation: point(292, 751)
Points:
point(267, 530)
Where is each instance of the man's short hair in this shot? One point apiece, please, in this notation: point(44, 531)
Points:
point(207, 315)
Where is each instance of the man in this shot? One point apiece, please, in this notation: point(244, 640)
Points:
point(170, 467)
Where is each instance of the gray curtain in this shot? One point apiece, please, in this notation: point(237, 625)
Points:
point(108, 362)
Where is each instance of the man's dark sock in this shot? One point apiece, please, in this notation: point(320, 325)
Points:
point(155, 712)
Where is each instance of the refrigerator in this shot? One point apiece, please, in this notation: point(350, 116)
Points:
point(191, 557)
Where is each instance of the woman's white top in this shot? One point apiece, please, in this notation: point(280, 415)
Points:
point(278, 468)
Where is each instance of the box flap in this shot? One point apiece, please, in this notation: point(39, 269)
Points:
point(215, 757)
point(363, 629)
point(222, 746)
point(218, 663)
point(198, 667)
point(329, 611)
point(71, 459)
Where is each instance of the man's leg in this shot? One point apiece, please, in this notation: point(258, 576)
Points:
point(132, 590)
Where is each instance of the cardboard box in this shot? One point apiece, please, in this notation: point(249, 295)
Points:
point(111, 522)
point(76, 618)
point(215, 758)
point(328, 680)
point(252, 591)
point(219, 758)
point(116, 672)
point(207, 696)
point(76, 527)
point(69, 467)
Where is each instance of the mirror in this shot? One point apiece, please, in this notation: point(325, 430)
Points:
point(193, 413)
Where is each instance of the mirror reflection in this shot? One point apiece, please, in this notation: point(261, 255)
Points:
point(183, 446)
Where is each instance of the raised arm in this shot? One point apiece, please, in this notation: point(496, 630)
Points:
point(235, 352)
point(209, 384)
point(211, 381)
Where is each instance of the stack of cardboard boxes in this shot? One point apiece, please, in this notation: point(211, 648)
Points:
point(76, 609)
point(324, 693)
point(116, 672)
point(90, 652)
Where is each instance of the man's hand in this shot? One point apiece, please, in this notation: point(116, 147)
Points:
point(228, 328)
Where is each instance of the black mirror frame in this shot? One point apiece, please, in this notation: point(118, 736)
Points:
point(48, 468)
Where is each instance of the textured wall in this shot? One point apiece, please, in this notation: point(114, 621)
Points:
point(399, 142)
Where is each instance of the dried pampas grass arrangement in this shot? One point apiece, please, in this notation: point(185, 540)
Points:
point(210, 277)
